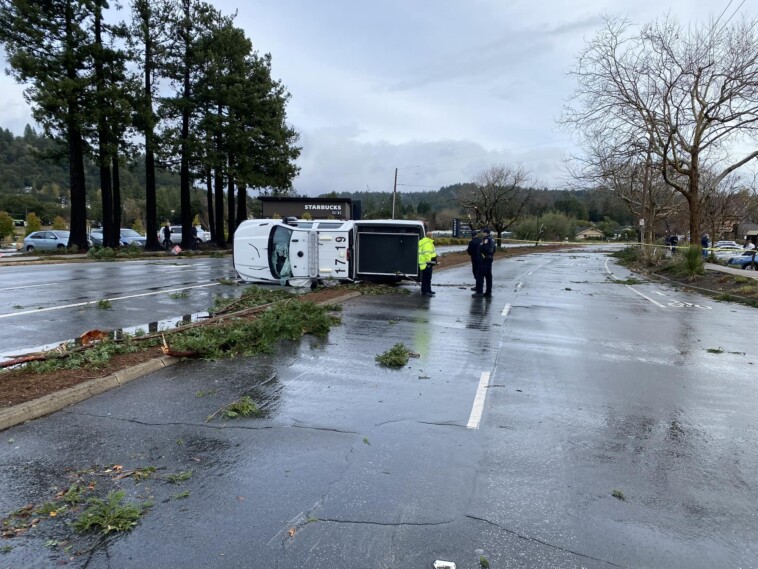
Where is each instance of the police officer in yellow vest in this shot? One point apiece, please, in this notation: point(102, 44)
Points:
point(427, 258)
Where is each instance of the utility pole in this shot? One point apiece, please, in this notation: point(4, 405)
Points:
point(394, 193)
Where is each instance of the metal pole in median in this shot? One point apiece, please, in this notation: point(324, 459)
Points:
point(394, 193)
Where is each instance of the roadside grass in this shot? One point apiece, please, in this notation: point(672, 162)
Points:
point(95, 356)
point(286, 319)
point(251, 297)
point(687, 268)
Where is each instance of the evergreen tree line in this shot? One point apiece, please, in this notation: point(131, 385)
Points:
point(561, 211)
point(176, 85)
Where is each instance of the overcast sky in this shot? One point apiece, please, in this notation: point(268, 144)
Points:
point(438, 89)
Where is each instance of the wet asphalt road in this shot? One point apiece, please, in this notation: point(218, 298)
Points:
point(595, 386)
point(49, 304)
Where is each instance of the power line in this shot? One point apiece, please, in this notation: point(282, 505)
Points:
point(733, 14)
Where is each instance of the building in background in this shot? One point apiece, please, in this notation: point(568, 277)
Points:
point(316, 208)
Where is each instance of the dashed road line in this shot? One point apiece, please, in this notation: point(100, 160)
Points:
point(481, 393)
point(646, 297)
point(506, 310)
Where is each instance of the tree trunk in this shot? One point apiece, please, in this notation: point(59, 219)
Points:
point(103, 137)
point(209, 197)
point(116, 195)
point(693, 199)
point(219, 188)
point(241, 204)
point(231, 197)
point(109, 239)
point(78, 234)
point(151, 205)
point(184, 173)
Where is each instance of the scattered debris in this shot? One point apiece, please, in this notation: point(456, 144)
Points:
point(396, 356)
point(619, 495)
point(444, 564)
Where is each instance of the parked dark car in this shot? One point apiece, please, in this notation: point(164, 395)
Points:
point(128, 237)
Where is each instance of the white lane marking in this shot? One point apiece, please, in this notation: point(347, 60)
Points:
point(167, 291)
point(478, 408)
point(682, 304)
point(659, 293)
point(26, 286)
point(506, 310)
point(607, 270)
point(646, 297)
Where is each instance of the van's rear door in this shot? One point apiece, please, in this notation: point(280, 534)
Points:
point(387, 250)
point(335, 244)
point(303, 253)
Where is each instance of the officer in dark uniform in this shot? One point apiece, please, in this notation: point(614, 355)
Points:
point(473, 252)
point(487, 253)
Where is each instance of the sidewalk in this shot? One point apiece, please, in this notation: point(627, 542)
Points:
point(731, 271)
point(20, 259)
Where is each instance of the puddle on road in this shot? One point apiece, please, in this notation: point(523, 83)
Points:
point(149, 328)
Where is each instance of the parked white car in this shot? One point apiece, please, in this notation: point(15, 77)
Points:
point(203, 236)
point(726, 251)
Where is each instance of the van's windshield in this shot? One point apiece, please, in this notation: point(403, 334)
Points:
point(279, 248)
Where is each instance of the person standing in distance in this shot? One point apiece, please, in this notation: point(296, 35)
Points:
point(427, 258)
point(487, 253)
point(167, 236)
point(473, 252)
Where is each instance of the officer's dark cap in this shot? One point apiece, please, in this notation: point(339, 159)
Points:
point(486, 230)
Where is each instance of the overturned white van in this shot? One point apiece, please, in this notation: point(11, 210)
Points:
point(300, 252)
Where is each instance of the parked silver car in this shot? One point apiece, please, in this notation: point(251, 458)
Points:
point(51, 240)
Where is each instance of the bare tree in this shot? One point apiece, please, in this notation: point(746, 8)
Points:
point(724, 206)
point(633, 177)
point(691, 92)
point(498, 197)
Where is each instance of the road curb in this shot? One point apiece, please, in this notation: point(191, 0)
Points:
point(37, 408)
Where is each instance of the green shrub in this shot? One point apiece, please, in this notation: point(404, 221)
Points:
point(33, 223)
point(688, 262)
point(7, 227)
